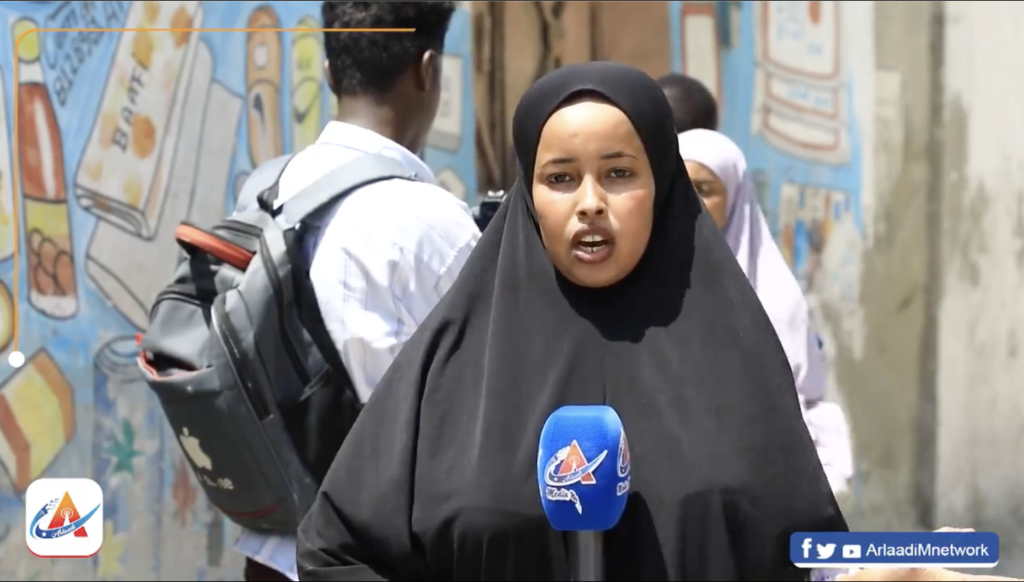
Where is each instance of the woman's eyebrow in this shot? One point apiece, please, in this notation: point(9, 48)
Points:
point(559, 161)
point(568, 160)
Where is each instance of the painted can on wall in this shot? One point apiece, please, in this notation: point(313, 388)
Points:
point(128, 429)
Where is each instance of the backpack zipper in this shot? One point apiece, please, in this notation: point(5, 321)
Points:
point(287, 341)
point(185, 293)
point(239, 228)
point(275, 283)
point(255, 388)
point(291, 352)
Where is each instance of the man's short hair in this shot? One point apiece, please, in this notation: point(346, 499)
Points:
point(371, 63)
point(693, 105)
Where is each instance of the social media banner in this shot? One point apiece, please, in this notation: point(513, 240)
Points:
point(894, 549)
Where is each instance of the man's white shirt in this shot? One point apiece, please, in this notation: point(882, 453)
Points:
point(379, 262)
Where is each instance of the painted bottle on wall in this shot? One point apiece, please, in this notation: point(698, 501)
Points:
point(263, 75)
point(307, 83)
point(51, 271)
point(7, 218)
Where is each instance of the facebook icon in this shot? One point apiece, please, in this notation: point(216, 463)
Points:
point(806, 546)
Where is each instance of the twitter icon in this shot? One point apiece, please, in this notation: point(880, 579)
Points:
point(825, 551)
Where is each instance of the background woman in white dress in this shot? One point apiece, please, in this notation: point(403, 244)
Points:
point(718, 171)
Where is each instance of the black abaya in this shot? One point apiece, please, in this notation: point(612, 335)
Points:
point(437, 478)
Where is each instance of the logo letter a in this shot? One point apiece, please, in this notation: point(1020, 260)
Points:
point(67, 510)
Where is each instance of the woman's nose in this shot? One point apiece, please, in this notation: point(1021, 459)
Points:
point(593, 203)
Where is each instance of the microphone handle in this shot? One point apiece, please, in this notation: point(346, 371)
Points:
point(586, 553)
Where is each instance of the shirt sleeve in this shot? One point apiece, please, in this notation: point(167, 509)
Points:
point(373, 292)
point(829, 574)
point(825, 420)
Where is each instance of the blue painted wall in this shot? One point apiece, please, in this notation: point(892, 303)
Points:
point(786, 98)
point(216, 104)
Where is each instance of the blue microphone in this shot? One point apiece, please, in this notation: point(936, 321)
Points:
point(583, 487)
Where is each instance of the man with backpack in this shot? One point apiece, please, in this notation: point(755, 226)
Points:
point(284, 316)
point(381, 260)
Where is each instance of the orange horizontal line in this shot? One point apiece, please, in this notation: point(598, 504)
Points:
point(259, 29)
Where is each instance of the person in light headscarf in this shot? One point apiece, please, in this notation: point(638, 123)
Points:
point(718, 171)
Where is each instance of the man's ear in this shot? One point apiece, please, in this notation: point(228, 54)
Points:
point(329, 76)
point(429, 73)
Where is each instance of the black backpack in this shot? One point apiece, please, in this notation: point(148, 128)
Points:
point(240, 359)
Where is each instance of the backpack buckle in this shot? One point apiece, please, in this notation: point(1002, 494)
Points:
point(266, 199)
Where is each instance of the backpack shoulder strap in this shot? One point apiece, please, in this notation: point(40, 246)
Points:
point(344, 179)
point(262, 178)
point(336, 184)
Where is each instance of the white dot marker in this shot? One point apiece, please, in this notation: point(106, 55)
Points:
point(16, 359)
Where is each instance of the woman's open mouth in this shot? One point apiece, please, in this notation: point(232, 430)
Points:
point(592, 245)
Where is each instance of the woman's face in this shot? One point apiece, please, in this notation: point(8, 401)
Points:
point(710, 189)
point(593, 190)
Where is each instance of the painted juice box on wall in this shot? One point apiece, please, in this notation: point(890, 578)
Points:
point(123, 176)
point(799, 86)
point(37, 419)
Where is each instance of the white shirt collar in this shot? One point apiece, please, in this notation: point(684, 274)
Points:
point(350, 136)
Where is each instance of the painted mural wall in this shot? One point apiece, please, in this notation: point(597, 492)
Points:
point(784, 73)
point(121, 136)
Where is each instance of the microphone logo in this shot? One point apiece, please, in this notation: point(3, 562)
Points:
point(622, 466)
point(568, 466)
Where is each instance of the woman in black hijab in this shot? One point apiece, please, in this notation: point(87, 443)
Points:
point(601, 280)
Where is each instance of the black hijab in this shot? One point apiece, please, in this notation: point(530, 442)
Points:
point(437, 480)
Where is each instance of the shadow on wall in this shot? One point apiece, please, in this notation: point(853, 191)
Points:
point(121, 136)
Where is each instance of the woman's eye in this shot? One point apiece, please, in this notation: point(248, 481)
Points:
point(621, 173)
point(559, 178)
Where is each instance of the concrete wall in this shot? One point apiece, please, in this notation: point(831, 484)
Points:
point(981, 406)
point(891, 387)
point(89, 243)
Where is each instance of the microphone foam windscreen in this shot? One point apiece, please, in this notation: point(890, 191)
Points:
point(583, 468)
